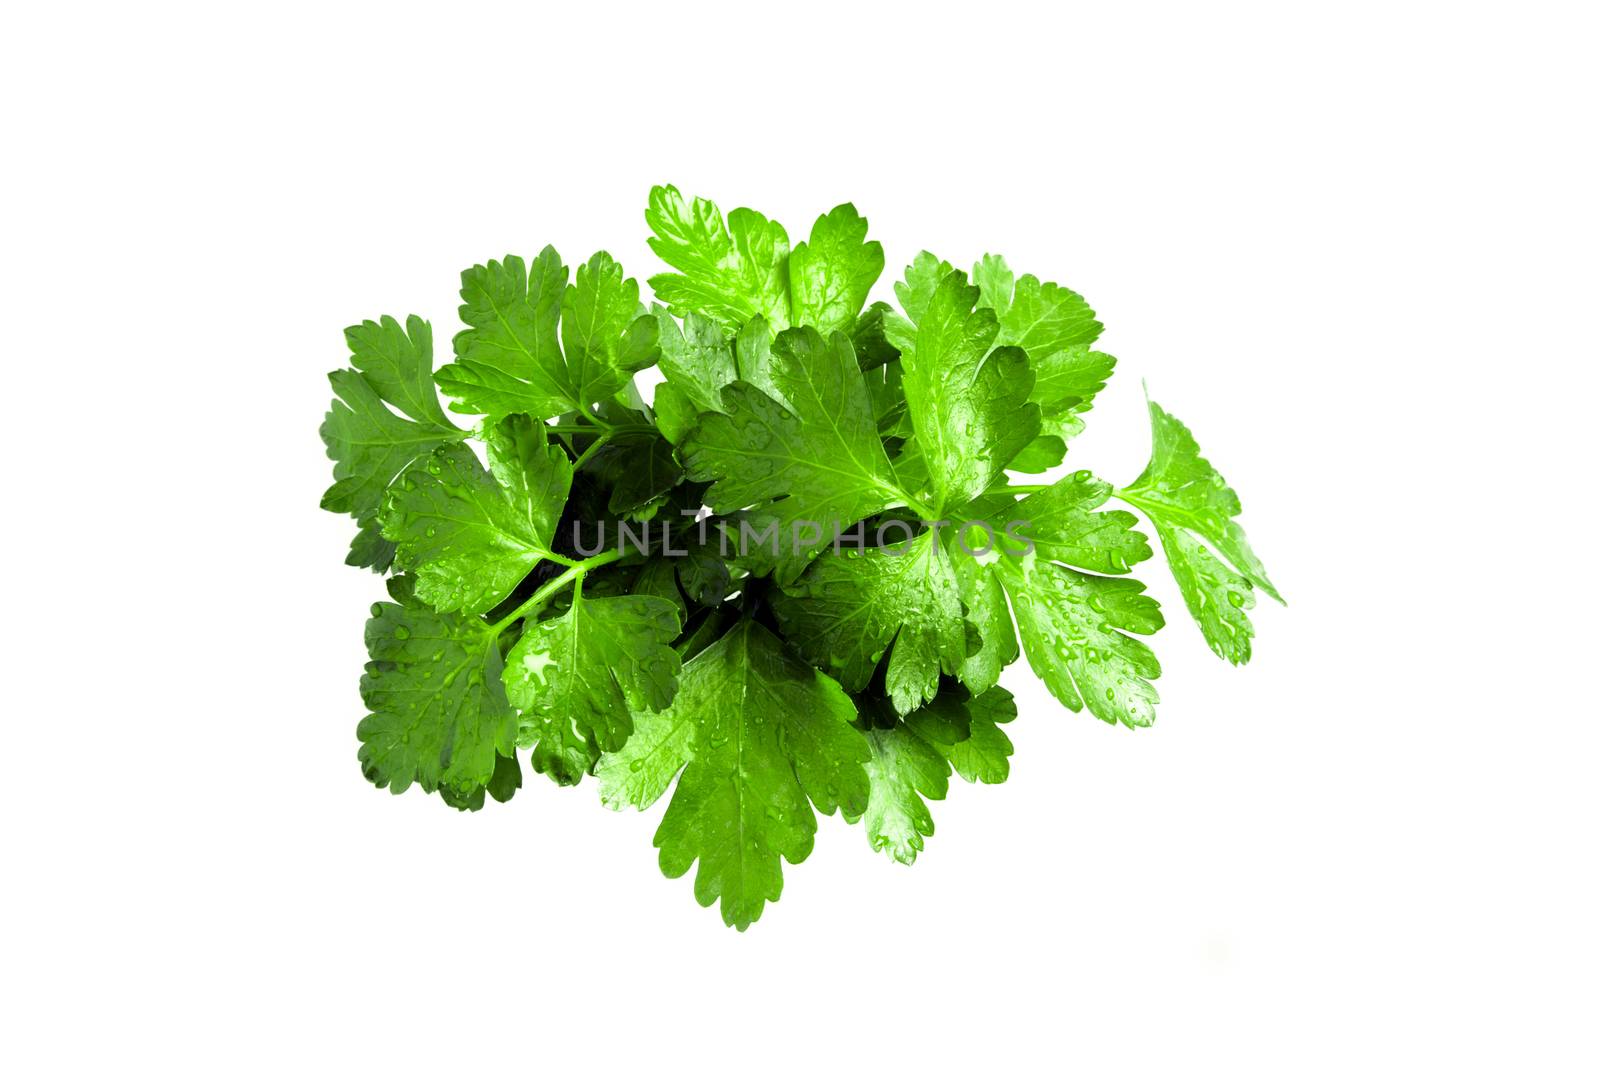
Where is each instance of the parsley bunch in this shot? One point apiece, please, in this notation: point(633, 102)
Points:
point(789, 583)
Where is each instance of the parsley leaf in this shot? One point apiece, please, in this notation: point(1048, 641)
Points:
point(831, 274)
point(739, 270)
point(814, 444)
point(761, 739)
point(1055, 327)
point(730, 272)
point(911, 761)
point(1073, 623)
point(438, 714)
point(580, 678)
point(968, 400)
point(988, 620)
point(903, 769)
point(1193, 511)
point(368, 442)
point(696, 359)
point(509, 360)
point(502, 785)
point(1072, 627)
point(468, 535)
point(846, 611)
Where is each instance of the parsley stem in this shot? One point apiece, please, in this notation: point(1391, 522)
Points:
point(1009, 490)
point(555, 585)
point(596, 420)
point(586, 454)
point(619, 431)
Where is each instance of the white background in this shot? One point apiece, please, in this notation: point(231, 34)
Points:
point(1354, 249)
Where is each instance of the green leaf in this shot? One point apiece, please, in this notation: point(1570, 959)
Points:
point(533, 473)
point(509, 359)
point(439, 715)
point(886, 388)
point(470, 536)
point(815, 443)
point(1038, 317)
point(640, 470)
point(676, 415)
point(1193, 511)
point(754, 351)
point(987, 616)
point(742, 270)
point(915, 293)
point(605, 332)
point(984, 753)
point(870, 337)
point(398, 364)
point(697, 360)
point(1055, 327)
point(1061, 524)
point(368, 442)
point(579, 679)
point(846, 611)
point(968, 400)
point(760, 738)
point(730, 272)
point(1072, 623)
point(831, 274)
point(1065, 385)
point(911, 760)
point(1072, 631)
point(902, 770)
point(1043, 453)
point(502, 785)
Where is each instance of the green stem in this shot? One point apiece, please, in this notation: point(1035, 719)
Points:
point(596, 420)
point(555, 585)
point(617, 431)
point(1012, 490)
point(586, 454)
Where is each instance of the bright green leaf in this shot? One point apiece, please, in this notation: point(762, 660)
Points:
point(911, 760)
point(369, 443)
point(697, 359)
point(987, 616)
point(509, 359)
point(578, 679)
point(1072, 631)
point(1193, 511)
point(438, 714)
point(470, 536)
point(1055, 327)
point(730, 272)
point(761, 738)
point(815, 444)
point(903, 769)
point(605, 334)
point(968, 400)
point(831, 274)
point(847, 609)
